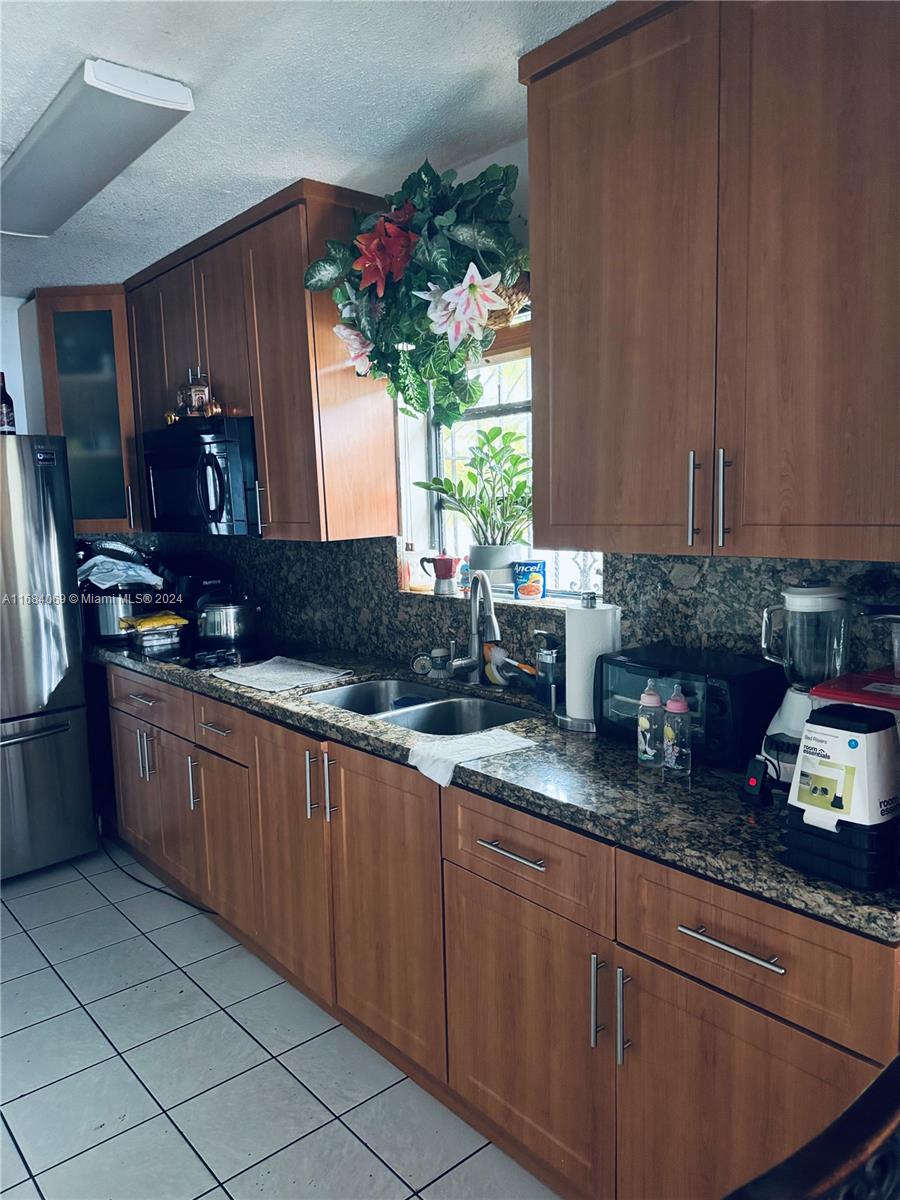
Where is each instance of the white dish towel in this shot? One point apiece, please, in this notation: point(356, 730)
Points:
point(280, 674)
point(437, 757)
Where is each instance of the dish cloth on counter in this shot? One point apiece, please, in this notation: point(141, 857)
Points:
point(438, 757)
point(280, 674)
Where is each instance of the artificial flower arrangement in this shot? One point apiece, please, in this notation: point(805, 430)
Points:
point(417, 289)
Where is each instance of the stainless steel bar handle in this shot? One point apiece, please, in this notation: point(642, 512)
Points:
point(693, 468)
point(310, 759)
point(769, 964)
point(152, 490)
point(63, 727)
point(622, 1043)
point(262, 524)
point(211, 728)
point(140, 746)
point(596, 964)
point(536, 864)
point(130, 502)
point(329, 809)
point(148, 738)
point(721, 528)
point(193, 800)
point(141, 699)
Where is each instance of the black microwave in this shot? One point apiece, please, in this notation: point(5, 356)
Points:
point(731, 697)
point(201, 476)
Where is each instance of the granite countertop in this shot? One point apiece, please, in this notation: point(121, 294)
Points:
point(586, 783)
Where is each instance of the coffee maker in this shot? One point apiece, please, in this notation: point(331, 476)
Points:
point(815, 622)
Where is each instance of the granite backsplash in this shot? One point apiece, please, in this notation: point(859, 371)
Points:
point(344, 595)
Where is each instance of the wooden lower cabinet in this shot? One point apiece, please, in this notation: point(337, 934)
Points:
point(137, 795)
point(293, 842)
point(531, 1027)
point(182, 841)
point(711, 1092)
point(388, 928)
point(224, 795)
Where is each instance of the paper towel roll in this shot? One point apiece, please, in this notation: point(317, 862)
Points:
point(589, 633)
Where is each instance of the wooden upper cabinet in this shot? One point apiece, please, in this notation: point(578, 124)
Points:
point(622, 156)
point(165, 342)
point(78, 385)
point(233, 302)
point(710, 1092)
point(218, 279)
point(282, 385)
point(809, 285)
point(180, 327)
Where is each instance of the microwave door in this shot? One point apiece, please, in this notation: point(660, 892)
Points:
point(211, 488)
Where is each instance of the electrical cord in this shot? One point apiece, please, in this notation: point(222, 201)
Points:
point(152, 887)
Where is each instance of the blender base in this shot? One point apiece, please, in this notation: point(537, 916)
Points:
point(781, 743)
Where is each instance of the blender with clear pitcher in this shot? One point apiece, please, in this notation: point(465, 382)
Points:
point(815, 624)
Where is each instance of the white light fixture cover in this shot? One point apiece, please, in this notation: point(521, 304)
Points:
point(104, 118)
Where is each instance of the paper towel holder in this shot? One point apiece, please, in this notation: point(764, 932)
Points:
point(570, 724)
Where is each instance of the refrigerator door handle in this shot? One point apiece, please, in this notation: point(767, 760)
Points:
point(63, 727)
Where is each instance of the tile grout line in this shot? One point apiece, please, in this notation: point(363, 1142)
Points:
point(15, 1141)
point(128, 1066)
point(166, 1112)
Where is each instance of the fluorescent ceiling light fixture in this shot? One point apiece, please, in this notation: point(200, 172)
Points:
point(103, 119)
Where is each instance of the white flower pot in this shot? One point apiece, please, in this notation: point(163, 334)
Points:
point(496, 561)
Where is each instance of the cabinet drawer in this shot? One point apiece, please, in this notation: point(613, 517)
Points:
point(838, 984)
point(155, 702)
point(224, 729)
point(567, 872)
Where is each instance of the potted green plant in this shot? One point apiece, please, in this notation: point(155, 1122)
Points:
point(494, 496)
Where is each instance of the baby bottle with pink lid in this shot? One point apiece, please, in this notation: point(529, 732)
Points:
point(677, 734)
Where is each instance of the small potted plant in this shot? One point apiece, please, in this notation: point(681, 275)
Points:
point(494, 496)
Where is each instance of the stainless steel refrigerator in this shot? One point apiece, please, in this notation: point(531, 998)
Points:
point(46, 813)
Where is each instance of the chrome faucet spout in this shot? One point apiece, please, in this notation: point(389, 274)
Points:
point(483, 627)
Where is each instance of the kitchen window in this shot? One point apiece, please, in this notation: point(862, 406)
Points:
point(432, 450)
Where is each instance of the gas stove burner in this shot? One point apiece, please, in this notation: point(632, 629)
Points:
point(221, 656)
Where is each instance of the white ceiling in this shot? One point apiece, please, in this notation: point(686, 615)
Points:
point(355, 93)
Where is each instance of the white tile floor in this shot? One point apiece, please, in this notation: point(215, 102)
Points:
point(146, 1056)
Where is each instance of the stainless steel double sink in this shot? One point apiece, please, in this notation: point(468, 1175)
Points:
point(419, 706)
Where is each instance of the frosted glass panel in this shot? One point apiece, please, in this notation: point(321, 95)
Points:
point(86, 367)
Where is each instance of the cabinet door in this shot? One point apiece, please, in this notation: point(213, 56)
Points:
point(281, 380)
point(181, 338)
point(388, 936)
point(182, 846)
point(137, 793)
point(712, 1093)
point(526, 995)
point(294, 857)
point(809, 286)
point(623, 167)
point(148, 358)
point(224, 791)
point(223, 331)
point(86, 374)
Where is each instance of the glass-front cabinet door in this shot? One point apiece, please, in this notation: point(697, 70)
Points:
point(83, 337)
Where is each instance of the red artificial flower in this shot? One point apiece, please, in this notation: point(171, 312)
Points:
point(402, 216)
point(385, 251)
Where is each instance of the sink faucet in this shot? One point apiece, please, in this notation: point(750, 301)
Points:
point(483, 628)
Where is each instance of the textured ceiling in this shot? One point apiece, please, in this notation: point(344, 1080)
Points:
point(356, 93)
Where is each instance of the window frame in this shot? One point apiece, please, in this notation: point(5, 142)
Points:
point(511, 343)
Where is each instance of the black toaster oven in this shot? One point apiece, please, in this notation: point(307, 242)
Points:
point(732, 697)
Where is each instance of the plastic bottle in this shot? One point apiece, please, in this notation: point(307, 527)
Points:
point(677, 734)
point(650, 727)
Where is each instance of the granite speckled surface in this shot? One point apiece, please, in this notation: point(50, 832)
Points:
point(346, 594)
point(587, 784)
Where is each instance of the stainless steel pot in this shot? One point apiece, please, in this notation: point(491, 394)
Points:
point(227, 622)
point(101, 612)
